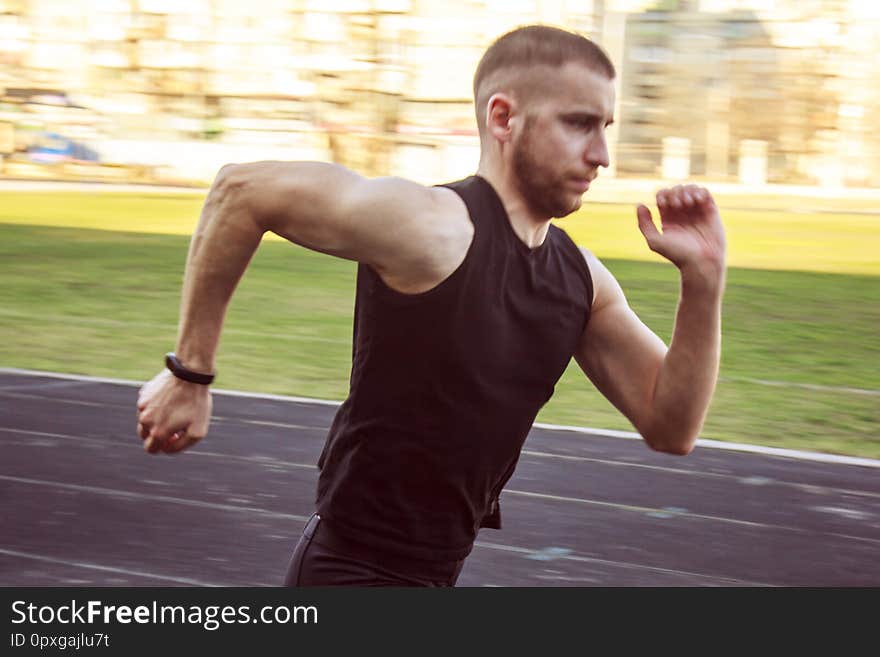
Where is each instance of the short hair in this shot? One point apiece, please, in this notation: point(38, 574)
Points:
point(530, 46)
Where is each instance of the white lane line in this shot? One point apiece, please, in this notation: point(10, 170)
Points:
point(479, 544)
point(513, 491)
point(619, 564)
point(226, 507)
point(227, 393)
point(115, 492)
point(267, 423)
point(74, 377)
point(60, 400)
point(107, 569)
point(791, 453)
point(129, 443)
point(642, 509)
point(814, 489)
point(482, 544)
point(702, 442)
point(41, 386)
point(265, 460)
point(666, 512)
point(103, 404)
point(737, 447)
point(258, 460)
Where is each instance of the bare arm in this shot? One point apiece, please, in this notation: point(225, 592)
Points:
point(664, 392)
point(412, 235)
point(404, 230)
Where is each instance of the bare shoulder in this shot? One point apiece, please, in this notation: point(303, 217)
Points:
point(400, 195)
point(430, 229)
point(412, 234)
point(432, 219)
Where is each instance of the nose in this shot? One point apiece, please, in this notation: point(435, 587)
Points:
point(596, 154)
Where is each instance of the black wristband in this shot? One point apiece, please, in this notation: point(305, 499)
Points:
point(181, 372)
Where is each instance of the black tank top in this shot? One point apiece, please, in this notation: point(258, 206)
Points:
point(446, 384)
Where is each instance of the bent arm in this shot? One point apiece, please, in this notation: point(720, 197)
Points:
point(412, 235)
point(664, 392)
point(388, 223)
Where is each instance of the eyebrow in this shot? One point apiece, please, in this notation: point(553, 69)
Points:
point(586, 116)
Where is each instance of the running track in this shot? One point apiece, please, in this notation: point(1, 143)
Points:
point(83, 505)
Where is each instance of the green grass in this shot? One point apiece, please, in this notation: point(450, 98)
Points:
point(845, 241)
point(834, 242)
point(106, 302)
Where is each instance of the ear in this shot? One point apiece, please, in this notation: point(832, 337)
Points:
point(500, 110)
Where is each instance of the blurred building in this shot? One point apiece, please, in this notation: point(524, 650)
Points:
point(175, 89)
point(379, 85)
point(756, 91)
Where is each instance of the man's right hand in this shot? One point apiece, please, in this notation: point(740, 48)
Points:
point(172, 414)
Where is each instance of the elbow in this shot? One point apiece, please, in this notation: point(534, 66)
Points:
point(676, 449)
point(227, 185)
point(225, 177)
point(674, 443)
point(232, 191)
point(232, 180)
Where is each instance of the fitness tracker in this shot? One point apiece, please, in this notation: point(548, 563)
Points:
point(181, 372)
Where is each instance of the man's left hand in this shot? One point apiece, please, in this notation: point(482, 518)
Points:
point(693, 235)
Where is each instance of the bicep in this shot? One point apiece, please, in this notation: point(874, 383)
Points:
point(618, 352)
point(328, 208)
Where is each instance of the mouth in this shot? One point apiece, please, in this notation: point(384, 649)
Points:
point(581, 184)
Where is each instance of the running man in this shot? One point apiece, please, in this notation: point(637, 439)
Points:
point(470, 304)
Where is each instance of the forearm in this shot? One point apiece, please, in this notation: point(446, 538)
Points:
point(224, 241)
point(686, 380)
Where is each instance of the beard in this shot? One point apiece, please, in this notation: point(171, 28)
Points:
point(542, 188)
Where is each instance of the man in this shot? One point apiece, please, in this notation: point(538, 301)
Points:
point(469, 306)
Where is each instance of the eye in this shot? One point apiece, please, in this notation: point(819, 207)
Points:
point(581, 122)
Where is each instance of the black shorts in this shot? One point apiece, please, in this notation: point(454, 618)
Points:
point(323, 558)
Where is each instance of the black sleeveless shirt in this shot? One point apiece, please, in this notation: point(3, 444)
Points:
point(446, 384)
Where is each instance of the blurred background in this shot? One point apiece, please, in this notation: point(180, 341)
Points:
point(162, 91)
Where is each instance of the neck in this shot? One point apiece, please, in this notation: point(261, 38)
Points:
point(528, 225)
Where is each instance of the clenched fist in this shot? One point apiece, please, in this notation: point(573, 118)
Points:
point(172, 414)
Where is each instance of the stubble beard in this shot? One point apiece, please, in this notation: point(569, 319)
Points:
point(543, 191)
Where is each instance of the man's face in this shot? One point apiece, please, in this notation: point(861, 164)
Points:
point(561, 141)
